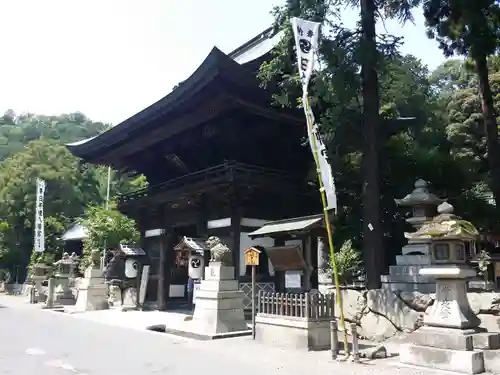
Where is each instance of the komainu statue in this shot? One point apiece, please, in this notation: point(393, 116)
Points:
point(218, 251)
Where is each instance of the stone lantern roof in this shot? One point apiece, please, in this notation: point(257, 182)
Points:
point(446, 225)
point(419, 196)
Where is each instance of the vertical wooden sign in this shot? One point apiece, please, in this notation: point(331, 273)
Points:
point(252, 259)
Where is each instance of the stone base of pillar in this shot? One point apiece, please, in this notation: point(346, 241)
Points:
point(219, 302)
point(219, 307)
point(465, 362)
point(62, 293)
point(92, 292)
point(451, 338)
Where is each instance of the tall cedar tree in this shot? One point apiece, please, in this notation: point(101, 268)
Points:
point(346, 52)
point(472, 29)
point(373, 245)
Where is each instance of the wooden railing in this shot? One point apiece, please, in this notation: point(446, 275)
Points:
point(300, 305)
point(224, 172)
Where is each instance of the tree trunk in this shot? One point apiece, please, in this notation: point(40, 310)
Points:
point(491, 126)
point(372, 228)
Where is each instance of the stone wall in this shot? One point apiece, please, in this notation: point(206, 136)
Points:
point(381, 313)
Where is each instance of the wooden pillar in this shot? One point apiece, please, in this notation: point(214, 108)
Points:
point(169, 260)
point(162, 303)
point(202, 226)
point(279, 275)
point(315, 263)
point(235, 238)
point(164, 263)
point(308, 258)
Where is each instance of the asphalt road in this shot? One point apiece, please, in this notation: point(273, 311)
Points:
point(49, 343)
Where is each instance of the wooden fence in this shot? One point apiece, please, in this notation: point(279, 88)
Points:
point(300, 305)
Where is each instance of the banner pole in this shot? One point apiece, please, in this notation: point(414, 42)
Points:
point(328, 228)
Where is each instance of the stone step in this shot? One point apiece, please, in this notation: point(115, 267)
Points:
point(492, 361)
point(406, 279)
point(416, 247)
point(462, 361)
point(410, 260)
point(402, 271)
point(425, 288)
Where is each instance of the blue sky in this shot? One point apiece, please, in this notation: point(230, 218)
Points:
point(111, 58)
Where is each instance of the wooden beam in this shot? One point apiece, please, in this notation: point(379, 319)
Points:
point(210, 110)
point(236, 215)
point(270, 112)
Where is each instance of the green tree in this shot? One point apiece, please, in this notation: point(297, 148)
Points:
point(32, 146)
point(65, 197)
point(346, 101)
point(471, 29)
point(348, 261)
point(18, 130)
point(107, 228)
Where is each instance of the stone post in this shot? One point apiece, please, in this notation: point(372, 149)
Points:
point(50, 292)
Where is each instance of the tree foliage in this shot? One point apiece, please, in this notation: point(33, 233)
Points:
point(428, 121)
point(348, 261)
point(31, 147)
point(107, 228)
point(472, 29)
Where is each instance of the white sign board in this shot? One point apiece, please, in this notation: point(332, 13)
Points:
point(39, 241)
point(293, 279)
point(144, 284)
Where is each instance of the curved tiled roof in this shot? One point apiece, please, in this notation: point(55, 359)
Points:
point(215, 64)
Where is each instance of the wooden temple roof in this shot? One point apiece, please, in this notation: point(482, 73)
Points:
point(218, 83)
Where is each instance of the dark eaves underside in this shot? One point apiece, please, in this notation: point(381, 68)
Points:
point(215, 64)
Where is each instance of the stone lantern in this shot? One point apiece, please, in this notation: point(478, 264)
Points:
point(40, 273)
point(448, 235)
point(451, 329)
point(422, 203)
point(62, 293)
point(404, 275)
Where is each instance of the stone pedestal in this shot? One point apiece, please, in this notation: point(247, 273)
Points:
point(219, 307)
point(451, 308)
point(219, 302)
point(451, 338)
point(62, 292)
point(92, 292)
point(404, 276)
point(39, 289)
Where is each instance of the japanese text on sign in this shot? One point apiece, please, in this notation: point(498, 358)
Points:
point(39, 240)
point(252, 257)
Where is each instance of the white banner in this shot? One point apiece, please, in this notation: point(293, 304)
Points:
point(39, 243)
point(306, 42)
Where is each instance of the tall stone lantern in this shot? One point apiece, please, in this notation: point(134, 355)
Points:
point(422, 202)
point(404, 275)
point(448, 235)
point(451, 329)
point(62, 294)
